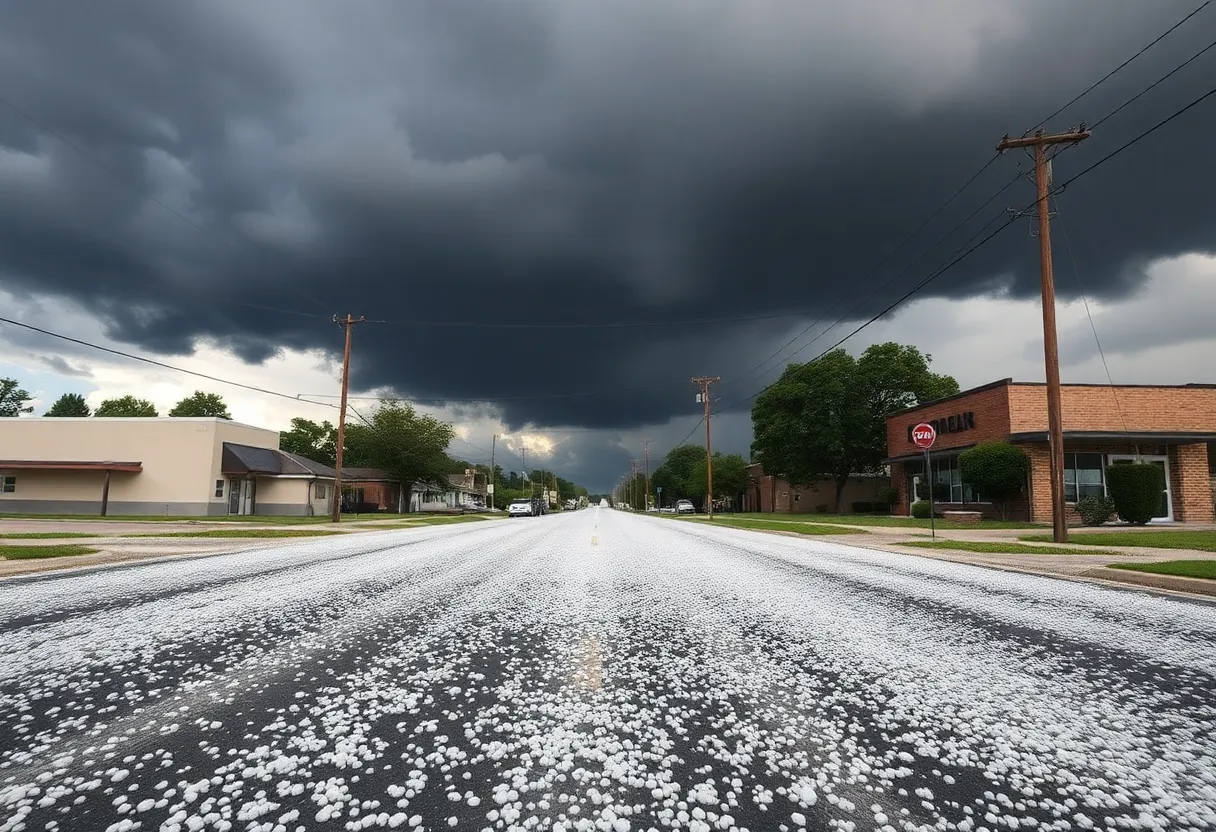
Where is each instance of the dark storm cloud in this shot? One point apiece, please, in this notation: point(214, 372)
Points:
point(554, 163)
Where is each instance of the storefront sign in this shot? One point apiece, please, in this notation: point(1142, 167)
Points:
point(948, 424)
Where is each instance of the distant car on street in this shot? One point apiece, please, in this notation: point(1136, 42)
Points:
point(521, 508)
point(685, 507)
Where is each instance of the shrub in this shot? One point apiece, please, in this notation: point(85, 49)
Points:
point(920, 509)
point(1135, 488)
point(886, 498)
point(997, 470)
point(862, 507)
point(822, 508)
point(1095, 511)
point(941, 492)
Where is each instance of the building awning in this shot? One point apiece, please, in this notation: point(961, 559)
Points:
point(919, 456)
point(1165, 437)
point(69, 465)
point(243, 460)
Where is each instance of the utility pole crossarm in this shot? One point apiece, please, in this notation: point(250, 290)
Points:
point(1041, 138)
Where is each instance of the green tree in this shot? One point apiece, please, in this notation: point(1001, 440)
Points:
point(730, 476)
point(675, 475)
point(126, 406)
point(13, 399)
point(317, 441)
point(997, 470)
point(409, 446)
point(827, 417)
point(200, 404)
point(69, 404)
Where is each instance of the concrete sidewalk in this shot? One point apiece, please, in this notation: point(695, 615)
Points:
point(1069, 564)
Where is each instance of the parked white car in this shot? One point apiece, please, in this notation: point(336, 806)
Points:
point(685, 507)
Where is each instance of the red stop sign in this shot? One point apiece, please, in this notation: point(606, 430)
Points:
point(924, 435)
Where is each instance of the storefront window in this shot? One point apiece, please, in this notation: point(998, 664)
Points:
point(1083, 477)
point(949, 481)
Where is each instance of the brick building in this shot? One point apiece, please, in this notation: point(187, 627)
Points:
point(772, 494)
point(1170, 426)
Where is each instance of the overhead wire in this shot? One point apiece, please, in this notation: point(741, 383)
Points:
point(1089, 313)
point(1108, 75)
point(964, 254)
point(886, 284)
point(143, 359)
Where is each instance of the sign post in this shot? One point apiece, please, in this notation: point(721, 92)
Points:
point(923, 436)
point(659, 489)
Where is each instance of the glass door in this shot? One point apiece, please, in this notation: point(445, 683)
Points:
point(234, 495)
point(1165, 510)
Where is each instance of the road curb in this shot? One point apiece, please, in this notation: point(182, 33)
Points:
point(1174, 583)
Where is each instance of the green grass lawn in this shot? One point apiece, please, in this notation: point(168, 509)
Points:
point(178, 518)
point(775, 525)
point(1003, 547)
point(440, 520)
point(46, 535)
point(1165, 539)
point(1182, 568)
point(243, 533)
point(876, 520)
point(31, 552)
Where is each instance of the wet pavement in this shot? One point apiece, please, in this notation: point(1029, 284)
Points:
point(598, 671)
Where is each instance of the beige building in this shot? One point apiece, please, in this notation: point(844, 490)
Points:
point(154, 466)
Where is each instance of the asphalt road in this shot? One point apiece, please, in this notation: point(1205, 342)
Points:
point(596, 671)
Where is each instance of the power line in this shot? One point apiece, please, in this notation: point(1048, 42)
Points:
point(889, 281)
point(1150, 87)
point(1108, 75)
point(922, 284)
point(538, 396)
point(155, 363)
point(1136, 139)
point(1012, 218)
point(1090, 315)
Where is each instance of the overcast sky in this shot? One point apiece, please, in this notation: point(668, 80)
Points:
point(545, 202)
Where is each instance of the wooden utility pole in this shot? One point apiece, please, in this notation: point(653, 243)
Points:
point(704, 382)
point(348, 324)
point(1039, 143)
point(646, 480)
point(633, 484)
point(523, 454)
point(493, 479)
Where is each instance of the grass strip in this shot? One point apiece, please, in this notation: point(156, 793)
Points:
point(878, 520)
point(1205, 569)
point(778, 526)
point(243, 533)
point(36, 552)
point(46, 535)
point(1204, 541)
point(1003, 548)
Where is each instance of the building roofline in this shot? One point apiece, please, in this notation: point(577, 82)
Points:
point(144, 419)
point(1122, 436)
point(1193, 385)
point(1005, 382)
point(69, 465)
point(1009, 382)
